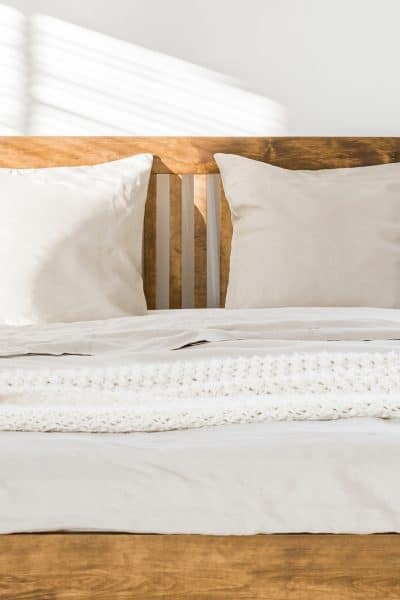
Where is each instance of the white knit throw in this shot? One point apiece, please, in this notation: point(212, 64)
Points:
point(162, 396)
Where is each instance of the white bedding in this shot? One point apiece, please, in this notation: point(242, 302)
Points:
point(145, 374)
point(145, 337)
point(328, 476)
point(333, 476)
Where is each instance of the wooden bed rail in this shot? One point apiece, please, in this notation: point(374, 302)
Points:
point(176, 157)
point(192, 567)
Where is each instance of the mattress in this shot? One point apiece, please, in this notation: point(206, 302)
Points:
point(259, 475)
point(277, 477)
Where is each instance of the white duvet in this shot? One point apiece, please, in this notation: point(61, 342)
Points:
point(192, 368)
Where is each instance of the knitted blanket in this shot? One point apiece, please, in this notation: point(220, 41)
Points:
point(160, 396)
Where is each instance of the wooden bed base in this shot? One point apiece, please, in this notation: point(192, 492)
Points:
point(60, 566)
point(193, 567)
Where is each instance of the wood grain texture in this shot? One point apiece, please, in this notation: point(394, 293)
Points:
point(200, 240)
point(150, 244)
point(225, 239)
point(175, 241)
point(194, 155)
point(179, 567)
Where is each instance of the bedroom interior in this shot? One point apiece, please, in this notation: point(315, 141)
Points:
point(199, 305)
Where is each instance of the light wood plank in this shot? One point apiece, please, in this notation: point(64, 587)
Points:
point(150, 244)
point(200, 240)
point(193, 567)
point(225, 238)
point(175, 241)
point(195, 155)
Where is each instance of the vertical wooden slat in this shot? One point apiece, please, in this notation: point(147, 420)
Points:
point(187, 242)
point(162, 254)
point(175, 241)
point(149, 244)
point(200, 240)
point(225, 239)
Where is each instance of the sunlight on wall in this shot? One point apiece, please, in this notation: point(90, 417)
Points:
point(13, 75)
point(61, 79)
point(83, 82)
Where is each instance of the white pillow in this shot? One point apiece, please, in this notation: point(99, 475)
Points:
point(312, 238)
point(71, 241)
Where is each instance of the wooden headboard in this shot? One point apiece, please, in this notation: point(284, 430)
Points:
point(178, 156)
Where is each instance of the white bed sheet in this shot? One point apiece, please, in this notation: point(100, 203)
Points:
point(271, 477)
point(276, 477)
point(235, 332)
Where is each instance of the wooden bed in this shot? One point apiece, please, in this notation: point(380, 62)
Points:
point(121, 566)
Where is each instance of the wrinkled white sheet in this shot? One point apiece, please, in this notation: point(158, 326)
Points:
point(149, 337)
point(281, 477)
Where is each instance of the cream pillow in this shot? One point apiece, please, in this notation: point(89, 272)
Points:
point(312, 238)
point(71, 241)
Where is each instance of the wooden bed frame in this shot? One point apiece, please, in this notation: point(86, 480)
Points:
point(58, 566)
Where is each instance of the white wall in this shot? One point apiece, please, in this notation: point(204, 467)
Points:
point(332, 63)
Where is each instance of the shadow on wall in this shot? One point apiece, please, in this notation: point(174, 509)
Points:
point(61, 79)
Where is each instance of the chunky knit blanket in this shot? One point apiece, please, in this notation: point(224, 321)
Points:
point(160, 396)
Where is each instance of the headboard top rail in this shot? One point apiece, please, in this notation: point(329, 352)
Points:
point(194, 155)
